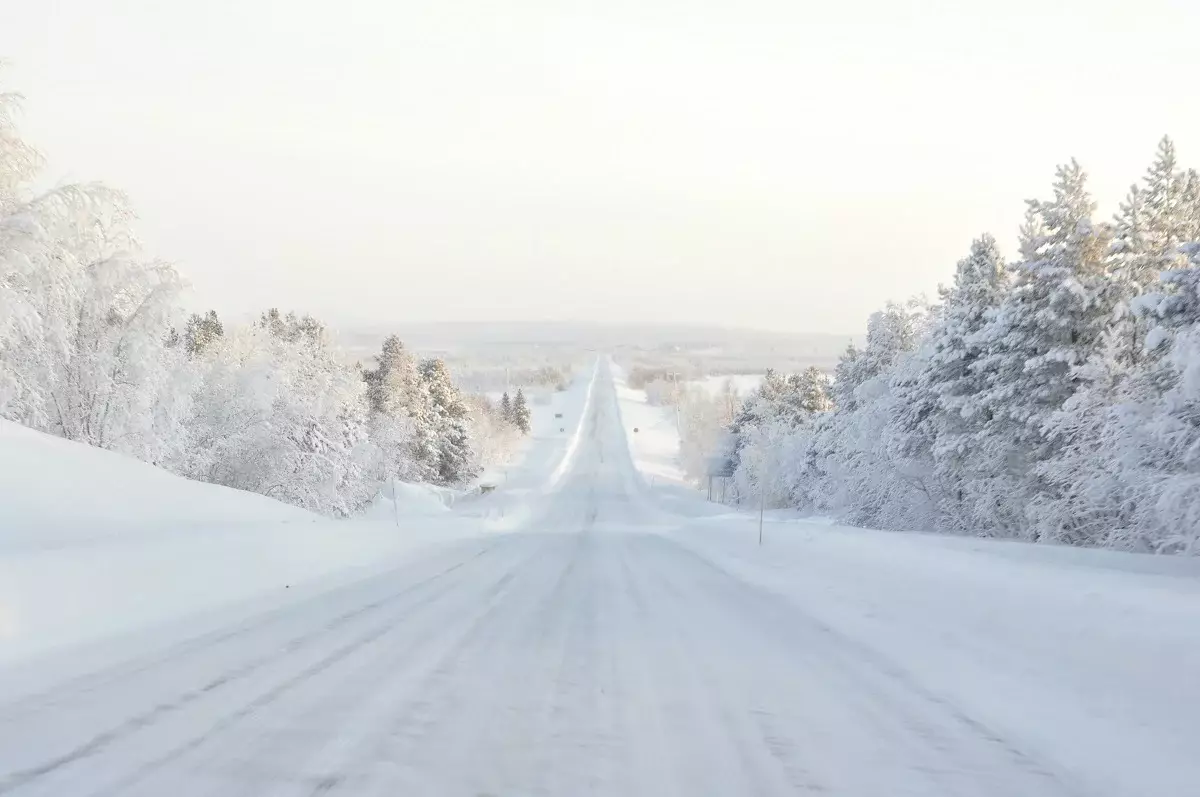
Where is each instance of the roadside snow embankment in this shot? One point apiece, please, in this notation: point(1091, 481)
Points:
point(94, 544)
point(1029, 639)
point(653, 433)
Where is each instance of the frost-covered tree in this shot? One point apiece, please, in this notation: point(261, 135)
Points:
point(1175, 307)
point(83, 316)
point(808, 392)
point(402, 419)
point(937, 417)
point(1049, 325)
point(494, 437)
point(520, 412)
point(855, 449)
point(278, 412)
point(891, 333)
point(506, 413)
point(1156, 218)
point(1156, 436)
point(703, 424)
point(201, 332)
point(19, 162)
point(1053, 399)
point(1099, 487)
point(759, 409)
point(449, 414)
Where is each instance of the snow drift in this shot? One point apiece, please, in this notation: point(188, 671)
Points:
point(95, 544)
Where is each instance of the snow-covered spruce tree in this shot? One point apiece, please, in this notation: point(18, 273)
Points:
point(506, 409)
point(1103, 485)
point(802, 447)
point(449, 415)
point(759, 409)
point(1156, 218)
point(402, 415)
point(936, 417)
point(1133, 470)
point(201, 332)
point(799, 477)
point(872, 484)
point(1043, 334)
point(1033, 406)
point(771, 438)
point(808, 393)
point(520, 412)
point(1157, 433)
point(891, 333)
point(790, 421)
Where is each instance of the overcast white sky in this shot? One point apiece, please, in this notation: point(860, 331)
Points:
point(768, 163)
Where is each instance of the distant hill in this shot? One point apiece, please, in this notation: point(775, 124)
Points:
point(707, 349)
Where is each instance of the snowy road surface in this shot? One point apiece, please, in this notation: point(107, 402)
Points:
point(594, 652)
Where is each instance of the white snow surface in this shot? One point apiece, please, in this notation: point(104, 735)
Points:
point(616, 642)
point(652, 432)
point(94, 544)
point(744, 384)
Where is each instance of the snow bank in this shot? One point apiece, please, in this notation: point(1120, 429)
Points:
point(1029, 639)
point(654, 446)
point(404, 500)
point(54, 492)
point(94, 544)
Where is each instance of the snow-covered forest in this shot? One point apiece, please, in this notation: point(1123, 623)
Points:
point(95, 347)
point(1054, 396)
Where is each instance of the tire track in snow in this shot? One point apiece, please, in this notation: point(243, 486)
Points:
point(144, 720)
point(329, 781)
point(950, 750)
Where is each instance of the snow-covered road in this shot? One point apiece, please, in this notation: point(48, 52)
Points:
point(596, 651)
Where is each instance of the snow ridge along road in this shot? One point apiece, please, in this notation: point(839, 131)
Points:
point(588, 652)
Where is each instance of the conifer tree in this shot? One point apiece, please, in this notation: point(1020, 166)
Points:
point(506, 410)
point(520, 412)
point(453, 446)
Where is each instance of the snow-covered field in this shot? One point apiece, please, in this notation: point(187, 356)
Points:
point(627, 638)
point(744, 384)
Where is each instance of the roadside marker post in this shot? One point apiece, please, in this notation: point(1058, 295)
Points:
point(762, 508)
point(395, 503)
